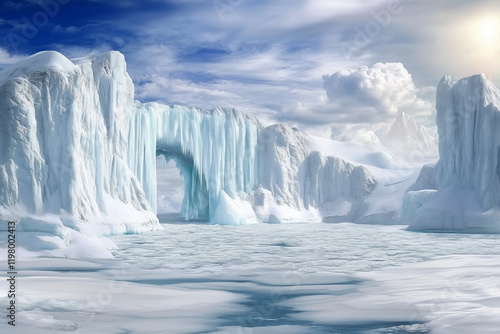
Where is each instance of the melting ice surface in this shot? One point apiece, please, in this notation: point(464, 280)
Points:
point(269, 278)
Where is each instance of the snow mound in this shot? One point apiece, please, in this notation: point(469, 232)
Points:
point(39, 62)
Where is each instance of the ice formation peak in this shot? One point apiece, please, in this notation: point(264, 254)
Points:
point(406, 137)
point(64, 149)
point(404, 120)
point(468, 172)
point(470, 90)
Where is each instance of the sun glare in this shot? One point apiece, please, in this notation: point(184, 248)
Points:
point(488, 32)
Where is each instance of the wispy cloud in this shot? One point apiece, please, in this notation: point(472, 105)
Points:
point(7, 59)
point(269, 57)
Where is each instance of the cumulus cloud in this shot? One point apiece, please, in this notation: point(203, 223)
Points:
point(367, 100)
point(170, 186)
point(377, 93)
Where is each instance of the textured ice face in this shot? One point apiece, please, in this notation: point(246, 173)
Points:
point(468, 172)
point(63, 148)
point(215, 151)
point(75, 137)
point(468, 120)
point(77, 151)
point(426, 179)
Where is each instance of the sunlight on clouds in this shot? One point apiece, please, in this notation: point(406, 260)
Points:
point(488, 32)
point(483, 34)
point(321, 7)
point(318, 10)
point(486, 35)
point(470, 44)
point(377, 93)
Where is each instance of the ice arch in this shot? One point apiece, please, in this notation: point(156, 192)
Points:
point(216, 152)
point(195, 203)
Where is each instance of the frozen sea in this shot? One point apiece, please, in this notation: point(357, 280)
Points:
point(267, 278)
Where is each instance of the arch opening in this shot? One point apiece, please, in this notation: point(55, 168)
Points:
point(169, 187)
point(195, 201)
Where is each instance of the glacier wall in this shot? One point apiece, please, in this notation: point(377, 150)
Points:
point(64, 137)
point(468, 172)
point(74, 142)
point(224, 156)
point(77, 158)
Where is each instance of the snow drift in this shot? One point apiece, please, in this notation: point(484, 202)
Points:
point(468, 172)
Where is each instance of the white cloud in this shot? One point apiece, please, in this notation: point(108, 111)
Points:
point(7, 59)
point(273, 66)
point(282, 87)
point(173, 90)
point(272, 61)
point(376, 93)
point(262, 81)
point(359, 131)
point(170, 186)
point(354, 103)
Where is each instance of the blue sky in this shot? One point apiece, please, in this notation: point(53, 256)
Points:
point(324, 66)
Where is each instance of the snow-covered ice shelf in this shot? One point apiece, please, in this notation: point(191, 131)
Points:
point(198, 278)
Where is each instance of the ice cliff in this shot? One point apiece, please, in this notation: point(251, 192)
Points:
point(468, 172)
point(64, 150)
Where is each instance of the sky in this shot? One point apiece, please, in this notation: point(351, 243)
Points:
point(326, 67)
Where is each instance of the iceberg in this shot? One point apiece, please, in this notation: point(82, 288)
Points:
point(77, 160)
point(468, 171)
